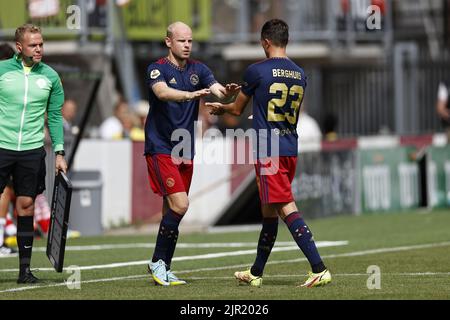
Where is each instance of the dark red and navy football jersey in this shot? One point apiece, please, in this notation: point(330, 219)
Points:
point(165, 117)
point(277, 86)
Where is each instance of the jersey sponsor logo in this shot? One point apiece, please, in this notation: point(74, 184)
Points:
point(284, 132)
point(155, 74)
point(173, 81)
point(170, 182)
point(194, 79)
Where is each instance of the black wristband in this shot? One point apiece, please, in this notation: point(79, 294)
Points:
point(60, 153)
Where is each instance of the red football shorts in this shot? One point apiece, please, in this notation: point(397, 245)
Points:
point(167, 177)
point(274, 178)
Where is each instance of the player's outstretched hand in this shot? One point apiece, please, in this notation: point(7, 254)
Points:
point(215, 108)
point(199, 94)
point(232, 89)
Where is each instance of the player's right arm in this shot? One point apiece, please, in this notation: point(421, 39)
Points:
point(157, 82)
point(165, 93)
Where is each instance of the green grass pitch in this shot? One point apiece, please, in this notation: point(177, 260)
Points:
point(411, 250)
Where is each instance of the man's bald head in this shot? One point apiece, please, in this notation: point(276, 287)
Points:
point(177, 27)
point(179, 42)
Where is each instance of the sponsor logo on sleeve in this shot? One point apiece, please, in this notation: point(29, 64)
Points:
point(155, 74)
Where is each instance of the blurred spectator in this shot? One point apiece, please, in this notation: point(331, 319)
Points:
point(6, 51)
point(7, 239)
point(137, 133)
point(112, 127)
point(142, 109)
point(308, 129)
point(130, 125)
point(69, 112)
point(443, 107)
point(329, 126)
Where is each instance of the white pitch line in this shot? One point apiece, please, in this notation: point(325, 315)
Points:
point(179, 246)
point(152, 245)
point(349, 254)
point(330, 256)
point(245, 252)
point(319, 244)
point(74, 283)
point(274, 276)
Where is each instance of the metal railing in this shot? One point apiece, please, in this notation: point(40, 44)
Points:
point(319, 20)
point(364, 100)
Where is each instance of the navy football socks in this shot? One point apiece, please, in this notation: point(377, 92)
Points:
point(266, 242)
point(304, 239)
point(167, 237)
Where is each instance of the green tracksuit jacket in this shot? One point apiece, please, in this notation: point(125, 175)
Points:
point(24, 100)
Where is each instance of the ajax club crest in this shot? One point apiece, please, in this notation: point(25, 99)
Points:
point(194, 79)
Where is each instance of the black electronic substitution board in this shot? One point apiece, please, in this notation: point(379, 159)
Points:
point(59, 222)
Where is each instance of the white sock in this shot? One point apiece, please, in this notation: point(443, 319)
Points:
point(2, 229)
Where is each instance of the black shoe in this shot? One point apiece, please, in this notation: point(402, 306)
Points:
point(27, 277)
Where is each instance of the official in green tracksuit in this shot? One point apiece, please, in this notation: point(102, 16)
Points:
point(29, 89)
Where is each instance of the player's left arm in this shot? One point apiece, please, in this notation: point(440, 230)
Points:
point(55, 121)
point(251, 79)
point(235, 108)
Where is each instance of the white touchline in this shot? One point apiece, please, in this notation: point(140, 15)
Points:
point(319, 244)
point(152, 245)
point(341, 255)
point(274, 276)
point(64, 284)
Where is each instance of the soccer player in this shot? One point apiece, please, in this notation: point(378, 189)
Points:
point(176, 83)
point(29, 89)
point(277, 86)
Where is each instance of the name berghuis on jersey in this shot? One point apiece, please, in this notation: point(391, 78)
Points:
point(291, 74)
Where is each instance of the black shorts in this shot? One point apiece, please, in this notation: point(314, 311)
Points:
point(27, 169)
